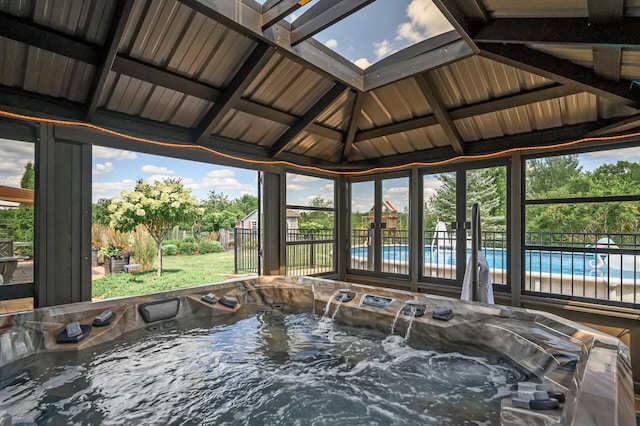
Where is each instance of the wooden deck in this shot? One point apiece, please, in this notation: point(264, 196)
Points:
point(24, 274)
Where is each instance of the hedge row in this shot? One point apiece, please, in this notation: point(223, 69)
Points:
point(189, 246)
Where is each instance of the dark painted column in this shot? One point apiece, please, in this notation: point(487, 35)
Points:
point(516, 236)
point(62, 220)
point(273, 217)
point(415, 229)
point(341, 248)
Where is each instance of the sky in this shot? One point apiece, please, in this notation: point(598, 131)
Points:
point(381, 29)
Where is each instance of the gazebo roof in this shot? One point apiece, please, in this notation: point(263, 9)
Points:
point(235, 77)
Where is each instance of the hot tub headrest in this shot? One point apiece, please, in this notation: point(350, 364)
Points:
point(160, 310)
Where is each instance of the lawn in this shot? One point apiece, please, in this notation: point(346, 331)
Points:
point(177, 272)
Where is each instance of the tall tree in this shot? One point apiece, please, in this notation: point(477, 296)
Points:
point(100, 212)
point(23, 225)
point(158, 206)
point(246, 204)
point(550, 173)
point(481, 188)
point(28, 180)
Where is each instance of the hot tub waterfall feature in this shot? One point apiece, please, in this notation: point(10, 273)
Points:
point(283, 349)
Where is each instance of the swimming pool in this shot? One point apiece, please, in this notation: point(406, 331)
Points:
point(570, 263)
point(302, 351)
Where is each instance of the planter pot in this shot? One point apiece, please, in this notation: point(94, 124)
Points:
point(114, 264)
point(94, 258)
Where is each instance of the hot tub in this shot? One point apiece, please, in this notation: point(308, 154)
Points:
point(306, 350)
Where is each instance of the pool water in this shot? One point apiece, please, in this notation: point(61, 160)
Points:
point(570, 263)
point(287, 369)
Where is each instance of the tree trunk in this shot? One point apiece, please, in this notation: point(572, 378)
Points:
point(159, 257)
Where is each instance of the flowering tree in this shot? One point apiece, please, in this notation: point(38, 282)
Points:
point(158, 206)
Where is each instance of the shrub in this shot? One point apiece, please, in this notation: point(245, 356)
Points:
point(169, 249)
point(189, 239)
point(144, 248)
point(186, 247)
point(172, 242)
point(205, 247)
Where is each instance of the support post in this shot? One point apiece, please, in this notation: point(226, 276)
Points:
point(516, 229)
point(273, 241)
point(62, 249)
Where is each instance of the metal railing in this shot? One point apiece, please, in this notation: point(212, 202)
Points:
point(310, 253)
point(589, 266)
point(245, 247)
point(307, 253)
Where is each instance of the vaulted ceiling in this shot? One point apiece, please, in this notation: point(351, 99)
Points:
point(234, 76)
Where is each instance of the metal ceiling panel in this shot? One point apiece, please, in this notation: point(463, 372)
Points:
point(316, 147)
point(85, 19)
point(609, 109)
point(12, 62)
point(136, 97)
point(338, 114)
point(579, 54)
point(578, 108)
point(632, 8)
point(564, 111)
point(392, 103)
point(478, 79)
point(162, 104)
point(245, 127)
point(189, 112)
point(17, 8)
point(127, 95)
point(171, 35)
point(630, 64)
point(367, 149)
point(287, 86)
point(537, 9)
point(43, 72)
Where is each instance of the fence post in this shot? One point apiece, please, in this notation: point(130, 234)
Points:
point(235, 250)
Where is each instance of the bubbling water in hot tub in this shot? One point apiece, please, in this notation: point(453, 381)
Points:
point(274, 367)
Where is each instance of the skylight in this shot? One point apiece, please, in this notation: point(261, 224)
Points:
point(383, 28)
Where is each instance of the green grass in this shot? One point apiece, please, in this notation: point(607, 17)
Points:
point(177, 272)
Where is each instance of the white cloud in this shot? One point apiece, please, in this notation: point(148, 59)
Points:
point(16, 149)
point(331, 43)
point(112, 154)
point(223, 180)
point(150, 168)
point(11, 180)
point(101, 169)
point(295, 187)
point(111, 189)
point(15, 156)
point(11, 167)
point(627, 154)
point(301, 178)
point(425, 20)
point(398, 190)
point(221, 173)
point(383, 48)
point(362, 63)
